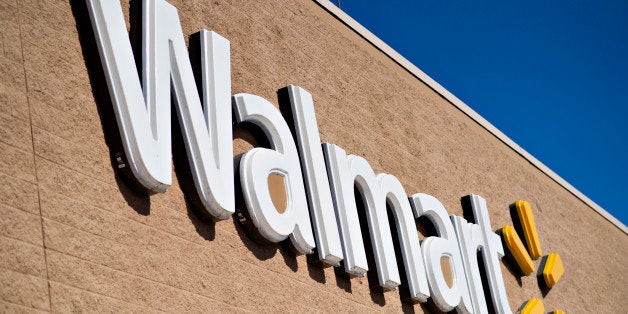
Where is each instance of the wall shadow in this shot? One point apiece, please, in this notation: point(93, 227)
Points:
point(521, 306)
point(407, 303)
point(426, 228)
point(343, 280)
point(135, 195)
point(545, 289)
point(204, 223)
point(404, 292)
point(375, 290)
point(250, 237)
point(316, 268)
point(248, 233)
point(314, 264)
point(467, 211)
point(510, 262)
point(508, 259)
point(516, 223)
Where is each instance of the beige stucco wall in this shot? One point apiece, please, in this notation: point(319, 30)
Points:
point(74, 237)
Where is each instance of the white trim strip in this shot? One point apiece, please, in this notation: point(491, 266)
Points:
point(395, 56)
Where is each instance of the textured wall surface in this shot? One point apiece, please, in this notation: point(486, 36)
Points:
point(73, 236)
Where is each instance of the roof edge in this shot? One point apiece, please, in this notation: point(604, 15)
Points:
point(415, 71)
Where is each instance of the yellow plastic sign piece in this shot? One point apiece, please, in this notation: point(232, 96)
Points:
point(558, 312)
point(533, 306)
point(553, 269)
point(516, 248)
point(526, 218)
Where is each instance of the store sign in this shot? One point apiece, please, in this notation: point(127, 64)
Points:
point(320, 209)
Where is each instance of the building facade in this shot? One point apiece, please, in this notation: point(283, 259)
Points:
point(78, 235)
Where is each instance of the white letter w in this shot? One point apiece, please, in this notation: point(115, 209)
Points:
point(143, 114)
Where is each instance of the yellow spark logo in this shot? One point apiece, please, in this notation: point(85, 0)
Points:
point(524, 254)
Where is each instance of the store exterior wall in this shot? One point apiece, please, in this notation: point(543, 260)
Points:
point(75, 237)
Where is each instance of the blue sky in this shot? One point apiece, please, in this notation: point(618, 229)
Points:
point(551, 75)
